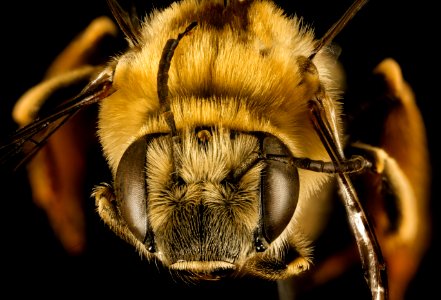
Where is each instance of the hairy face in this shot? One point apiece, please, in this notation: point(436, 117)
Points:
point(209, 200)
point(203, 215)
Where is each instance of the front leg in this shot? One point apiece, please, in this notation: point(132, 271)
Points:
point(400, 222)
point(107, 208)
point(393, 186)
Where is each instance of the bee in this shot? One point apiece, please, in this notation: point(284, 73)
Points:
point(223, 129)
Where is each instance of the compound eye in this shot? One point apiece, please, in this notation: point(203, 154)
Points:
point(131, 190)
point(280, 189)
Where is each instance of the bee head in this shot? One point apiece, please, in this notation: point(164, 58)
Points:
point(207, 199)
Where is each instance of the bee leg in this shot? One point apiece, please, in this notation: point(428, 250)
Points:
point(56, 174)
point(105, 201)
point(396, 193)
point(401, 222)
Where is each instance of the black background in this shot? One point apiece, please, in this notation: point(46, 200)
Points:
point(33, 33)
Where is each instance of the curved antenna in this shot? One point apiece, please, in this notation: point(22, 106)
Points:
point(162, 79)
point(338, 26)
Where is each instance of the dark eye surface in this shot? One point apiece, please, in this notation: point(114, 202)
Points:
point(280, 188)
point(130, 188)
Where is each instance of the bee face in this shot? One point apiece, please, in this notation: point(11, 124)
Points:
point(208, 200)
